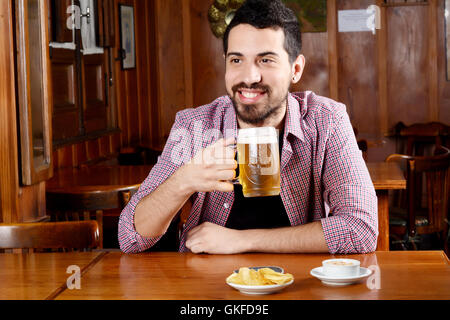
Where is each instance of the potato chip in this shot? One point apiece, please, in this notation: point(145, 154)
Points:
point(260, 277)
point(235, 278)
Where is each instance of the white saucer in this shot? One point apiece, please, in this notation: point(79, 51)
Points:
point(335, 281)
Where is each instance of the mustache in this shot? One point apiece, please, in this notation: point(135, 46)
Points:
point(255, 86)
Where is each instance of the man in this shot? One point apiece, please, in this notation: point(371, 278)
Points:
point(327, 201)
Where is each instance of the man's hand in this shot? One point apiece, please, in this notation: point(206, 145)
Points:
point(211, 168)
point(212, 238)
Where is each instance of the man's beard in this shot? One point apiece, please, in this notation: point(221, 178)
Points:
point(249, 113)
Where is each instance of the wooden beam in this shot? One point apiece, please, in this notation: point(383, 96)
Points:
point(433, 77)
point(9, 177)
point(332, 27)
point(186, 9)
point(382, 71)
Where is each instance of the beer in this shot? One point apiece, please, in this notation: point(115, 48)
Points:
point(259, 162)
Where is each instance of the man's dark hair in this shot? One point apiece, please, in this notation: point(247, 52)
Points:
point(273, 14)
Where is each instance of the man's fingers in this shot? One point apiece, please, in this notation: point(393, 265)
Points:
point(224, 187)
point(225, 175)
point(221, 151)
point(192, 232)
point(225, 142)
point(226, 164)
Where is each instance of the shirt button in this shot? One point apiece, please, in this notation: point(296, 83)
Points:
point(226, 205)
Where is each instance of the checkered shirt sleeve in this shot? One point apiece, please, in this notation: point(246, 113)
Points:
point(130, 241)
point(352, 224)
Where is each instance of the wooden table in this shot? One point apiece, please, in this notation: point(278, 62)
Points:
point(173, 276)
point(101, 186)
point(94, 188)
point(39, 276)
point(109, 187)
point(385, 176)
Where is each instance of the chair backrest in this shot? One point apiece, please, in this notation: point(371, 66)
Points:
point(419, 135)
point(50, 235)
point(435, 169)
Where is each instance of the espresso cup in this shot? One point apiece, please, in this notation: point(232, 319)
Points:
point(341, 268)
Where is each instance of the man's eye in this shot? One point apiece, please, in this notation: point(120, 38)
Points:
point(266, 60)
point(235, 60)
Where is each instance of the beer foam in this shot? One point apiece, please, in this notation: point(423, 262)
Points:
point(257, 140)
point(258, 135)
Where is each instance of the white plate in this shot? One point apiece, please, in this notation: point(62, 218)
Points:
point(261, 289)
point(335, 281)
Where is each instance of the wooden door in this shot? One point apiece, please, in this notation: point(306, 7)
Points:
point(81, 81)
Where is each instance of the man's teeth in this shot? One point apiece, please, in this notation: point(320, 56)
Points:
point(250, 95)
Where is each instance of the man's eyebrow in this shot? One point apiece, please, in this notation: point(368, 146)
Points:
point(267, 53)
point(262, 54)
point(234, 54)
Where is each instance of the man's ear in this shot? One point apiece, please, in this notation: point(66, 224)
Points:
point(297, 68)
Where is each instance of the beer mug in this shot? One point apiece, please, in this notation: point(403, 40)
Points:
point(259, 162)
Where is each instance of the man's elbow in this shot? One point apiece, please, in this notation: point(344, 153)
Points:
point(368, 242)
point(357, 243)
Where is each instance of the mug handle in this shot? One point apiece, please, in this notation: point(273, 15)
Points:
point(235, 180)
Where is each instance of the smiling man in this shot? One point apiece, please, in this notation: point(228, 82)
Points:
point(327, 201)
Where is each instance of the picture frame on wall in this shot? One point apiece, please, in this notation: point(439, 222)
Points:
point(127, 37)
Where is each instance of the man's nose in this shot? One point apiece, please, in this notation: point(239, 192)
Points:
point(251, 74)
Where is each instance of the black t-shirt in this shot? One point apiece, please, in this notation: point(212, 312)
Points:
point(257, 212)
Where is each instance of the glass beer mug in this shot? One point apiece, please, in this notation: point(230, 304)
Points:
point(259, 162)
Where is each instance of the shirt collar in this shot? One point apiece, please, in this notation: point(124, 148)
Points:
point(296, 109)
point(294, 114)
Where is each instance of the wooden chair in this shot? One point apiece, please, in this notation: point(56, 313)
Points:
point(411, 220)
point(84, 206)
point(419, 136)
point(50, 235)
point(78, 207)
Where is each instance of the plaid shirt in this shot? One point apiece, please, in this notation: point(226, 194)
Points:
point(323, 175)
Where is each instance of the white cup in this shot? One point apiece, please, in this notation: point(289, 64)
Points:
point(341, 268)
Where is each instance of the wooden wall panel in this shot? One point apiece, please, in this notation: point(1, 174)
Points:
point(171, 82)
point(103, 146)
point(208, 64)
point(407, 64)
point(143, 72)
point(132, 106)
point(316, 74)
point(92, 150)
point(66, 97)
point(94, 78)
point(332, 26)
point(121, 80)
point(32, 205)
point(358, 88)
point(443, 82)
point(9, 178)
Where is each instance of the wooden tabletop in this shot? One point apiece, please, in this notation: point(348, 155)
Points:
point(386, 175)
point(186, 276)
point(39, 276)
point(97, 178)
point(94, 187)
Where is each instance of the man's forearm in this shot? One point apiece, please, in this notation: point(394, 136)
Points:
point(304, 238)
point(155, 212)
